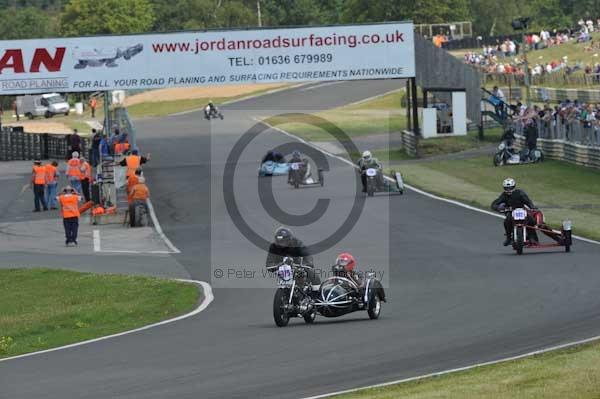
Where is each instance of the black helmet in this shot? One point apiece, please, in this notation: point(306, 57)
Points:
point(283, 237)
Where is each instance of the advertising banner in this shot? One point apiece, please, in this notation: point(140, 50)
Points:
point(381, 51)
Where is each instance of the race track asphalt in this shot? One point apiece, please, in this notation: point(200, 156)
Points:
point(455, 295)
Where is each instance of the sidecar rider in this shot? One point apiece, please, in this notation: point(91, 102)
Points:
point(369, 162)
point(512, 198)
point(286, 245)
point(344, 267)
point(508, 138)
point(297, 158)
point(273, 156)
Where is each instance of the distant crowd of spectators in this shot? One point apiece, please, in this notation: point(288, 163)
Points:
point(505, 56)
point(565, 119)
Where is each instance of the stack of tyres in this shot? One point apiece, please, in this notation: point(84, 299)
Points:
point(27, 146)
point(37, 146)
point(14, 146)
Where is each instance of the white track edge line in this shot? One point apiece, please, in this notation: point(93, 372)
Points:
point(458, 369)
point(159, 229)
point(415, 189)
point(208, 298)
point(97, 247)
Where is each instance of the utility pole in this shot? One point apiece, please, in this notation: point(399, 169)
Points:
point(258, 12)
point(522, 24)
point(527, 76)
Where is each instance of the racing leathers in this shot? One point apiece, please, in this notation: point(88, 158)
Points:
point(513, 200)
point(273, 156)
point(371, 163)
point(305, 170)
point(296, 250)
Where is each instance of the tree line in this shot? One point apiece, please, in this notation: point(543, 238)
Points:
point(24, 19)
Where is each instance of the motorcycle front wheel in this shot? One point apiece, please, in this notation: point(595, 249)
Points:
point(279, 314)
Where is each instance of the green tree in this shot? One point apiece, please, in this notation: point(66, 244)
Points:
point(26, 23)
point(91, 17)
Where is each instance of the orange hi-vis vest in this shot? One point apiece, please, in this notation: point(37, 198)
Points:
point(50, 173)
point(139, 192)
point(87, 171)
point(132, 181)
point(73, 168)
point(133, 163)
point(39, 175)
point(121, 148)
point(69, 205)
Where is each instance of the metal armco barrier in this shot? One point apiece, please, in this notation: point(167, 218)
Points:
point(17, 145)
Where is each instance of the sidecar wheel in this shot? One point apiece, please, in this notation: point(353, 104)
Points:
point(374, 308)
point(279, 315)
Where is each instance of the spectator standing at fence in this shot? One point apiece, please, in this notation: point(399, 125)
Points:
point(69, 205)
point(86, 179)
point(38, 183)
point(93, 104)
point(74, 172)
point(51, 184)
point(96, 139)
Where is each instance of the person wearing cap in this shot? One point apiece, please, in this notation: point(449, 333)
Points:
point(133, 162)
point(74, 172)
point(69, 206)
point(138, 196)
point(51, 184)
point(38, 182)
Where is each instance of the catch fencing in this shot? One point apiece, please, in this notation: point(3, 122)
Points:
point(576, 132)
point(18, 145)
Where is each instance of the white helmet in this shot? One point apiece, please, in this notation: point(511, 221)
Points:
point(509, 184)
point(366, 155)
point(75, 154)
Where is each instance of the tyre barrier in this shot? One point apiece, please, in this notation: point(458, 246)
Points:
point(17, 145)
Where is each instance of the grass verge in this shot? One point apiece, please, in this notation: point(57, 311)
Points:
point(381, 115)
point(43, 308)
point(561, 190)
point(569, 373)
point(447, 145)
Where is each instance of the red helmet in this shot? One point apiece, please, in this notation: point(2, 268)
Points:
point(346, 260)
